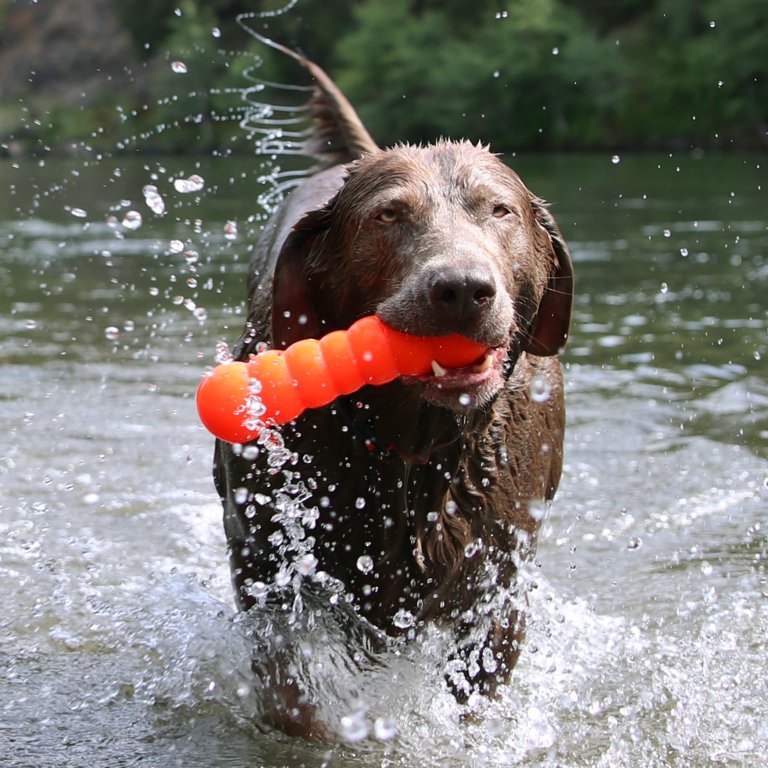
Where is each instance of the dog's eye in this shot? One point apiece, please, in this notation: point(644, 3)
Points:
point(387, 216)
point(500, 211)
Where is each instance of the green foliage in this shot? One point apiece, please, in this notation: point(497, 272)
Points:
point(533, 74)
point(147, 21)
point(731, 60)
point(195, 87)
point(561, 73)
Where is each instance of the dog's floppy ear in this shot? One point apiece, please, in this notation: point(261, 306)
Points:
point(294, 312)
point(551, 325)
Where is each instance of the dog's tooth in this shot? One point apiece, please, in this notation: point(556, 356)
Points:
point(486, 364)
point(438, 369)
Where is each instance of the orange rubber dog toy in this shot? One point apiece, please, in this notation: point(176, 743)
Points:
point(277, 386)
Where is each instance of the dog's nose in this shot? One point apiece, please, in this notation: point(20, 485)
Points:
point(461, 295)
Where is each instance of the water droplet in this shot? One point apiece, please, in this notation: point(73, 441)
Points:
point(473, 548)
point(223, 352)
point(230, 230)
point(283, 577)
point(555, 51)
point(403, 619)
point(258, 589)
point(359, 502)
point(537, 510)
point(595, 708)
point(684, 252)
point(215, 32)
point(307, 564)
point(664, 288)
point(153, 199)
point(354, 727)
point(465, 399)
point(541, 389)
point(384, 729)
point(615, 159)
point(490, 664)
point(192, 184)
point(667, 233)
point(176, 246)
point(241, 495)
point(179, 67)
point(132, 220)
point(365, 563)
point(78, 213)
point(706, 568)
point(112, 333)
point(635, 542)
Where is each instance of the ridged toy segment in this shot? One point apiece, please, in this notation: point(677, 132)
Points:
point(279, 394)
point(369, 341)
point(312, 373)
point(341, 362)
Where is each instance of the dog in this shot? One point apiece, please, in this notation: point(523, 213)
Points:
point(427, 493)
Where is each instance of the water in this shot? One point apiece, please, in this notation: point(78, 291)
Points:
point(117, 640)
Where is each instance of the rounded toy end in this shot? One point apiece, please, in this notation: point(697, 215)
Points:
point(222, 401)
point(455, 351)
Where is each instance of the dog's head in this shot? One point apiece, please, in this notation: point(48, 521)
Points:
point(434, 240)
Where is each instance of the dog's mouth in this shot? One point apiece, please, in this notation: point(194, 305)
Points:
point(467, 386)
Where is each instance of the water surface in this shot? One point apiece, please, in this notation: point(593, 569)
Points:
point(650, 621)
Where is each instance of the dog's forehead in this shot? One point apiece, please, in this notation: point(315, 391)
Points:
point(447, 167)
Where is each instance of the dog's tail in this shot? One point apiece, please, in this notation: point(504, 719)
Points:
point(336, 135)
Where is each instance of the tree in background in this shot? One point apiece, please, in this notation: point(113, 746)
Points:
point(520, 74)
point(532, 76)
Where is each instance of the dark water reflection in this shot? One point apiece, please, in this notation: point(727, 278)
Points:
point(116, 641)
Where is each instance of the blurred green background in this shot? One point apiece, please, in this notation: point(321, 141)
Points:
point(520, 74)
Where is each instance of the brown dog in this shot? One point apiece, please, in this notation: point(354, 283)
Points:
point(426, 492)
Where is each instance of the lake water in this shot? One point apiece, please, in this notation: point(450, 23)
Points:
point(649, 628)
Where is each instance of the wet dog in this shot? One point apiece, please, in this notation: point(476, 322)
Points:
point(422, 497)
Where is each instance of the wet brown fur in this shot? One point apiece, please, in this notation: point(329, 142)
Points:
point(447, 488)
